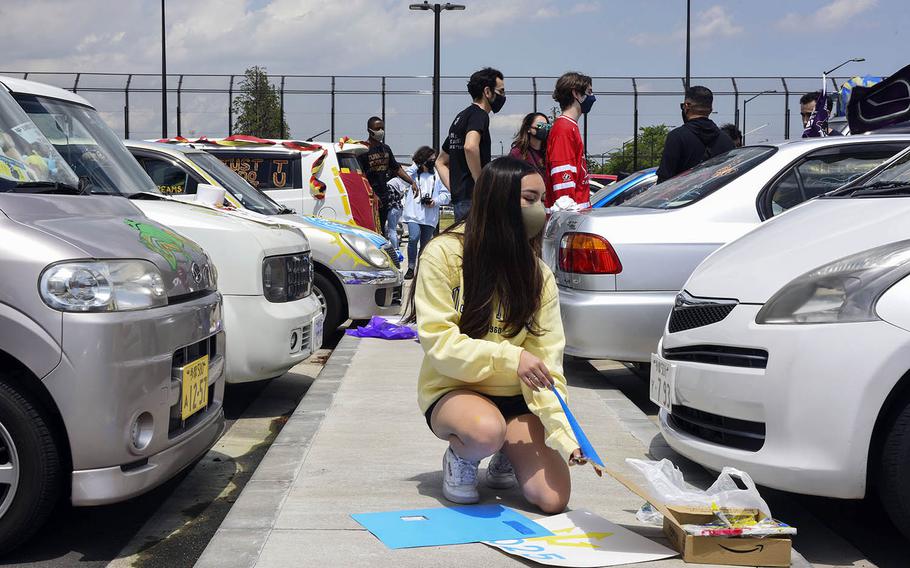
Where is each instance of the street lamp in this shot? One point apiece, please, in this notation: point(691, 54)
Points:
point(437, 10)
point(163, 78)
point(744, 111)
point(854, 60)
point(688, 26)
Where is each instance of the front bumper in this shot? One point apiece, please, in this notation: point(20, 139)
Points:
point(119, 366)
point(265, 339)
point(371, 293)
point(623, 326)
point(816, 400)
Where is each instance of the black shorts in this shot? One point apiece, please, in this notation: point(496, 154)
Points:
point(509, 406)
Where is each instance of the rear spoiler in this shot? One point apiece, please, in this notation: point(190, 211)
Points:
point(884, 104)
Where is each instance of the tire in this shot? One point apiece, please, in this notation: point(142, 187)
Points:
point(894, 473)
point(330, 300)
point(28, 446)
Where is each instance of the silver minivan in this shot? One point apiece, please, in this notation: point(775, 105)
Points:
point(111, 341)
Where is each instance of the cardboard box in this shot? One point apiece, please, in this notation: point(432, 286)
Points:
point(733, 551)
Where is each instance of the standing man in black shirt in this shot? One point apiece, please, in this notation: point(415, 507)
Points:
point(379, 166)
point(466, 150)
point(697, 139)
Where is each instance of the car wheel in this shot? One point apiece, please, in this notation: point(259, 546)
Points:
point(894, 475)
point(329, 301)
point(30, 469)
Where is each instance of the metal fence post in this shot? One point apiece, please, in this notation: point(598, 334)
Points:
point(735, 103)
point(126, 107)
point(231, 107)
point(783, 81)
point(383, 100)
point(332, 129)
point(284, 134)
point(635, 125)
point(76, 83)
point(179, 87)
point(534, 88)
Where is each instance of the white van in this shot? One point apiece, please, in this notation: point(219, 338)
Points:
point(322, 179)
point(271, 318)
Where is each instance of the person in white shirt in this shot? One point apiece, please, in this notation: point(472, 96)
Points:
point(421, 207)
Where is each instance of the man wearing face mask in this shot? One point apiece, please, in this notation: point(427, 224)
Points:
point(466, 149)
point(567, 175)
point(697, 140)
point(379, 166)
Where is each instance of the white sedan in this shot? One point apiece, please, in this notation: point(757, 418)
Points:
point(619, 268)
point(788, 352)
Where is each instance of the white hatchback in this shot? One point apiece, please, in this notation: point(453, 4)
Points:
point(788, 352)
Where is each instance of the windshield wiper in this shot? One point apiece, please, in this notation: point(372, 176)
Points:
point(286, 211)
point(145, 195)
point(46, 187)
point(881, 188)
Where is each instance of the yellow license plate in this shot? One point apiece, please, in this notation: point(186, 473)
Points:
point(194, 395)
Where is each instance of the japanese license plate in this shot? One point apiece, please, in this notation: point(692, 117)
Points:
point(194, 396)
point(663, 382)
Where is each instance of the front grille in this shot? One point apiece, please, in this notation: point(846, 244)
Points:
point(690, 312)
point(717, 429)
point(393, 254)
point(181, 357)
point(719, 355)
point(388, 297)
point(287, 278)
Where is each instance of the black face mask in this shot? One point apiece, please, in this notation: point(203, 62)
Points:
point(497, 103)
point(429, 165)
point(542, 131)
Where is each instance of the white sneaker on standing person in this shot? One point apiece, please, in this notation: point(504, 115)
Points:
point(421, 207)
point(397, 189)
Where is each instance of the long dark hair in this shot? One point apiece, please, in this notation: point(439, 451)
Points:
point(498, 262)
point(522, 139)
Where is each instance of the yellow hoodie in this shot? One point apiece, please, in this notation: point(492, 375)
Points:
point(488, 366)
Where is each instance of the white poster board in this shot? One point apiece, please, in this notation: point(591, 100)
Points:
point(583, 539)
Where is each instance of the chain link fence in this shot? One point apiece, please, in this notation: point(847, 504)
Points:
point(327, 107)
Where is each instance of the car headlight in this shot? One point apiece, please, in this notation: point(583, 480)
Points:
point(366, 250)
point(287, 278)
point(102, 286)
point(842, 291)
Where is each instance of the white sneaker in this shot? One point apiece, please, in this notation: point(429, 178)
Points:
point(459, 479)
point(500, 474)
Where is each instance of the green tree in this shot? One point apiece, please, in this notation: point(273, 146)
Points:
point(650, 149)
point(258, 107)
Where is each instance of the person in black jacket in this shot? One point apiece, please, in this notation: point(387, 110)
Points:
point(696, 140)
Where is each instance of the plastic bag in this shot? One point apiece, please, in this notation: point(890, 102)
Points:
point(648, 515)
point(381, 328)
point(667, 485)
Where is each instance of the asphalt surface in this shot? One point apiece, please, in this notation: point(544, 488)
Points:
point(97, 536)
point(864, 524)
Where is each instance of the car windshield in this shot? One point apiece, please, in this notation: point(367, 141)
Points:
point(246, 194)
point(26, 156)
point(88, 145)
point(702, 180)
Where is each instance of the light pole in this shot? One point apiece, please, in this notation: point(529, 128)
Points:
point(744, 111)
point(437, 10)
point(854, 60)
point(163, 78)
point(688, 27)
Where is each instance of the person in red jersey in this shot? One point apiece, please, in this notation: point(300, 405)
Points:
point(566, 163)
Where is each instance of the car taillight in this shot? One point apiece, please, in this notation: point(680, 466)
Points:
point(584, 253)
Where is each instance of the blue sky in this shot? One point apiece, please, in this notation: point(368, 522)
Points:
point(520, 37)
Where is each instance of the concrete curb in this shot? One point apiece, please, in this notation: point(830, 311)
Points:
point(239, 540)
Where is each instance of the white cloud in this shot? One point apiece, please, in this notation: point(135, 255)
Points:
point(585, 8)
point(708, 25)
point(832, 16)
